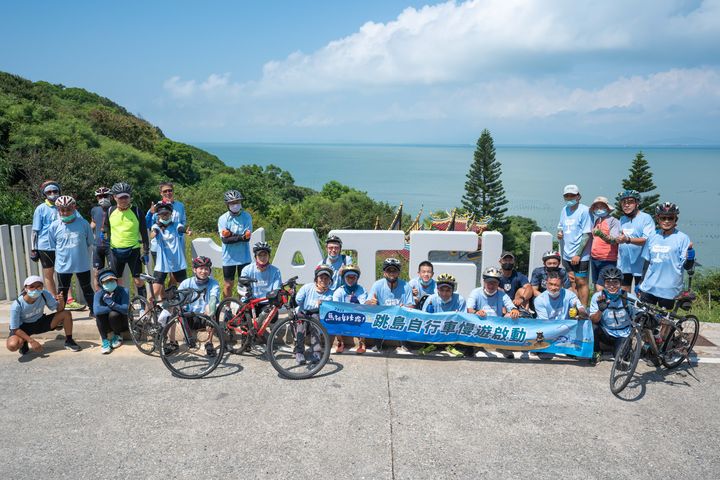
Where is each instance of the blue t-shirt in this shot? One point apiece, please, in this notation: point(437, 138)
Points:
point(434, 304)
point(71, 242)
point(237, 253)
point(664, 276)
point(358, 296)
point(573, 226)
point(267, 280)
point(98, 215)
point(539, 278)
point(336, 265)
point(24, 312)
point(548, 308)
point(178, 216)
point(615, 320)
point(212, 289)
point(400, 295)
point(492, 305)
point(43, 217)
point(120, 302)
point(308, 297)
point(429, 290)
point(171, 249)
point(510, 285)
point(630, 258)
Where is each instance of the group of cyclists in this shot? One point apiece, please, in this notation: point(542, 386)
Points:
point(632, 249)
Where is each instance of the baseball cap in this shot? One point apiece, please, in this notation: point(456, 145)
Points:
point(32, 279)
point(571, 190)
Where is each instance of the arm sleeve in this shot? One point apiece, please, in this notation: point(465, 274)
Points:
point(123, 301)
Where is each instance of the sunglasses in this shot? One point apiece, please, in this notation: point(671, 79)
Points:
point(169, 190)
point(666, 219)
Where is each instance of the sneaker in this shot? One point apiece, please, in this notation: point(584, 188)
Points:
point(595, 359)
point(170, 348)
point(71, 345)
point(210, 350)
point(403, 350)
point(454, 351)
point(375, 349)
point(427, 349)
point(315, 357)
point(75, 306)
point(106, 347)
point(300, 358)
point(24, 348)
point(116, 341)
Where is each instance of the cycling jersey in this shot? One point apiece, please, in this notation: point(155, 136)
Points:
point(178, 216)
point(236, 253)
point(308, 297)
point(212, 293)
point(336, 266)
point(341, 294)
point(539, 278)
point(666, 254)
point(434, 304)
point(267, 280)
point(400, 295)
point(71, 242)
point(615, 320)
point(45, 214)
point(630, 259)
point(422, 290)
point(548, 308)
point(492, 305)
point(171, 248)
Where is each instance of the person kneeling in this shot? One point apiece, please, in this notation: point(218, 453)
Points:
point(350, 291)
point(611, 312)
point(444, 300)
point(28, 317)
point(111, 310)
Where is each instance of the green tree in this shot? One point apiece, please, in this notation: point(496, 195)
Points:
point(640, 179)
point(516, 239)
point(484, 192)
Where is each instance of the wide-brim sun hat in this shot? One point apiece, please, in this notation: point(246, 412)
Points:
point(603, 200)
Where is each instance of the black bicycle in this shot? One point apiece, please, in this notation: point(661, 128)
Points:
point(682, 333)
point(143, 321)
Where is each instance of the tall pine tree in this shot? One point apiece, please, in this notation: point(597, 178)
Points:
point(484, 192)
point(640, 179)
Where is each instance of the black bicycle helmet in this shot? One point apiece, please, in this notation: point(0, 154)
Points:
point(323, 270)
point(446, 279)
point(201, 262)
point(333, 239)
point(163, 207)
point(262, 247)
point(611, 273)
point(629, 194)
point(667, 208)
point(551, 254)
point(233, 196)
point(121, 188)
point(391, 263)
point(102, 191)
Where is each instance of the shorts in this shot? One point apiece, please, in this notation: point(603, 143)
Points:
point(47, 258)
point(229, 271)
point(41, 325)
point(580, 270)
point(628, 279)
point(119, 257)
point(100, 255)
point(160, 277)
point(666, 303)
point(597, 266)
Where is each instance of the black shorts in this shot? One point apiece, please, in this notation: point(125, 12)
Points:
point(100, 255)
point(666, 303)
point(229, 271)
point(628, 279)
point(119, 257)
point(42, 325)
point(47, 258)
point(580, 270)
point(160, 277)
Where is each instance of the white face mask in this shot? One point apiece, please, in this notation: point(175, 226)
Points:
point(235, 207)
point(554, 295)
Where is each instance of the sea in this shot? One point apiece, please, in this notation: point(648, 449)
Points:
point(432, 177)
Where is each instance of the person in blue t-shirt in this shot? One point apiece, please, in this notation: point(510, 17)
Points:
point(489, 300)
point(28, 317)
point(111, 310)
point(170, 237)
point(636, 226)
point(45, 214)
point(515, 284)
point(167, 193)
point(267, 277)
point(350, 291)
point(611, 311)
point(444, 300)
point(423, 285)
point(334, 259)
point(558, 303)
point(71, 237)
point(235, 229)
point(574, 235)
point(202, 280)
point(391, 290)
point(308, 300)
point(668, 252)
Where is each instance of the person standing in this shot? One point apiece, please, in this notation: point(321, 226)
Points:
point(573, 233)
point(235, 229)
point(167, 193)
point(606, 231)
point(45, 214)
point(334, 259)
point(98, 215)
point(636, 226)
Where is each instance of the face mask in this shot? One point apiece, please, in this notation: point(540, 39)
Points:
point(333, 257)
point(425, 283)
point(234, 208)
point(552, 269)
point(165, 221)
point(109, 286)
point(554, 295)
point(488, 293)
point(570, 203)
point(68, 219)
point(507, 266)
point(52, 197)
point(259, 265)
point(104, 202)
point(33, 293)
point(602, 213)
point(201, 281)
point(445, 302)
point(612, 296)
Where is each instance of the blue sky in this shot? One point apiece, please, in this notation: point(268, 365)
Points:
point(540, 72)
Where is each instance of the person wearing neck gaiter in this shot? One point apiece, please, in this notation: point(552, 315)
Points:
point(350, 291)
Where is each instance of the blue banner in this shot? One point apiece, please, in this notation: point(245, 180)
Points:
point(568, 337)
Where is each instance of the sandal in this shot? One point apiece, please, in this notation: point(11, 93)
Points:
point(361, 347)
point(340, 347)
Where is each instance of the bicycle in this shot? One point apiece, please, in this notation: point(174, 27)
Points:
point(199, 348)
point(143, 320)
point(285, 345)
point(676, 346)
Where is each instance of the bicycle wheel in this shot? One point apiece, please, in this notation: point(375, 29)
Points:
point(680, 342)
point(143, 324)
point(298, 347)
point(184, 346)
point(626, 360)
point(235, 324)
